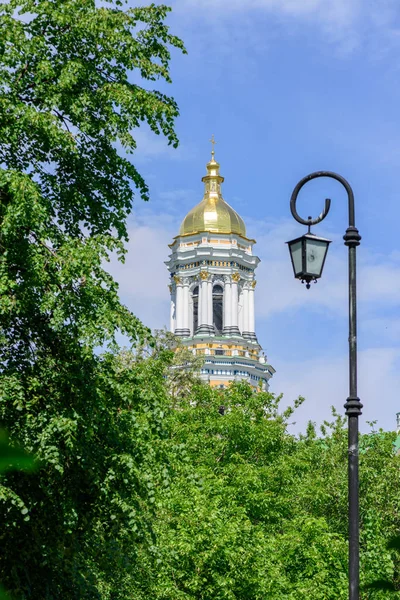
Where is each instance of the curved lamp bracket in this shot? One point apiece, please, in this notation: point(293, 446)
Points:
point(327, 206)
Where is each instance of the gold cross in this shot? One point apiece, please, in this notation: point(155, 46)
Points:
point(213, 144)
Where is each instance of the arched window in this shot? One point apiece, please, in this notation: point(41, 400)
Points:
point(218, 294)
point(195, 297)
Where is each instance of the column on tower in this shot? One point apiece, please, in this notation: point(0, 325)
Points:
point(245, 330)
point(210, 303)
point(240, 310)
point(252, 324)
point(235, 303)
point(172, 325)
point(227, 305)
point(186, 328)
point(204, 301)
point(179, 306)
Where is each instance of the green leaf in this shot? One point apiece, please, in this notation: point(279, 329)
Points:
point(13, 457)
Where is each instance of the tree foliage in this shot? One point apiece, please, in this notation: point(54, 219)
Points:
point(68, 104)
point(72, 91)
point(254, 512)
point(69, 100)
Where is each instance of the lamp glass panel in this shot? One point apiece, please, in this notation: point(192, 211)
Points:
point(296, 252)
point(315, 255)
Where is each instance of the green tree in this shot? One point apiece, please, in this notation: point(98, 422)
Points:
point(72, 90)
point(255, 512)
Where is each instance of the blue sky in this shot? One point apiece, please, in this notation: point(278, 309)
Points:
point(288, 87)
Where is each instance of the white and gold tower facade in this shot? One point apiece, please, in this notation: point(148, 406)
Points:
point(213, 284)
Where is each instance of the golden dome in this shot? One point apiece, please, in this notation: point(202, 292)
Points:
point(213, 214)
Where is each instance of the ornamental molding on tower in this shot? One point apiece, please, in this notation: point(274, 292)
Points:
point(236, 277)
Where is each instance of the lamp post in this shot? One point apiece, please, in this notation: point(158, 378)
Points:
point(308, 255)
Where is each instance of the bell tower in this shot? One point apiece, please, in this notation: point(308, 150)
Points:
point(212, 288)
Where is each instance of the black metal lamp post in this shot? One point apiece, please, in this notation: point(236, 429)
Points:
point(308, 255)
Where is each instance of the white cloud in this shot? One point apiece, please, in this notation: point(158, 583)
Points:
point(325, 384)
point(378, 276)
point(341, 12)
point(143, 278)
point(347, 23)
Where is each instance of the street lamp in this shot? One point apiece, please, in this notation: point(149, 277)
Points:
point(308, 255)
point(301, 251)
